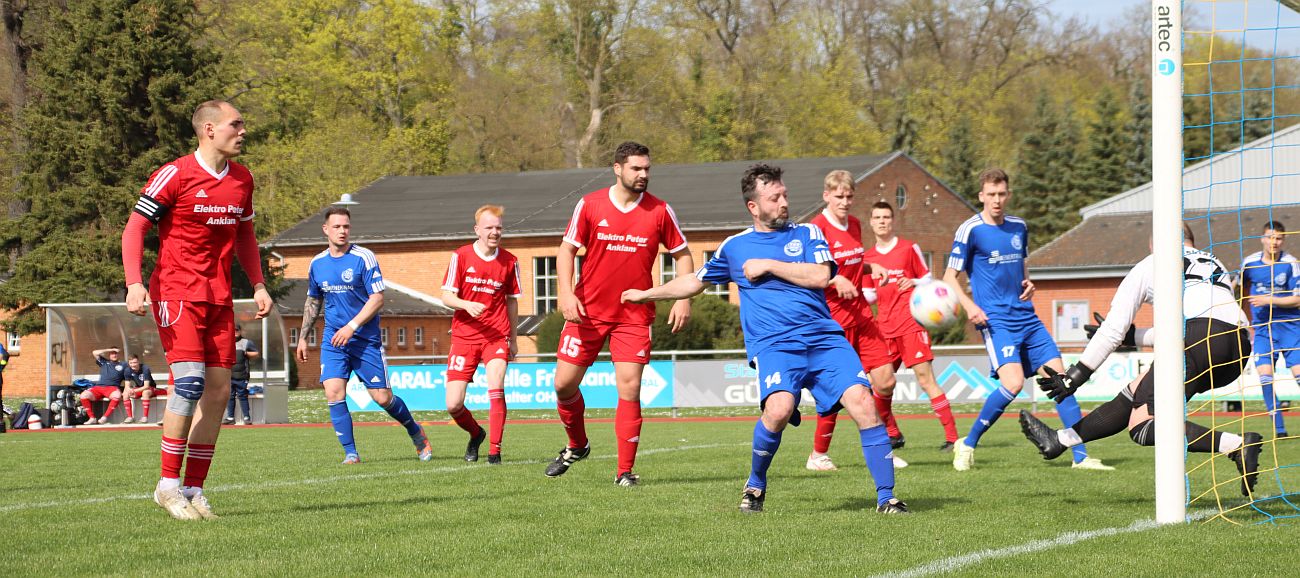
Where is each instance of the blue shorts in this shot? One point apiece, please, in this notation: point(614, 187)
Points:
point(366, 359)
point(825, 365)
point(1277, 339)
point(1028, 344)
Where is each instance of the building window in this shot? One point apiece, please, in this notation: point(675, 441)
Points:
point(722, 290)
point(929, 261)
point(1068, 319)
point(293, 337)
point(667, 268)
point(401, 337)
point(14, 342)
point(311, 337)
point(900, 196)
point(383, 336)
point(419, 336)
point(545, 292)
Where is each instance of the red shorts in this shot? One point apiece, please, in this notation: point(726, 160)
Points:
point(196, 331)
point(464, 358)
point(581, 343)
point(911, 349)
point(102, 392)
point(139, 392)
point(866, 339)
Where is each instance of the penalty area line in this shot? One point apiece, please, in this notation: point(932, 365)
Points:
point(954, 563)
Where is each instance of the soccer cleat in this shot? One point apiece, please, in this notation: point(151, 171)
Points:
point(102, 420)
point(1280, 434)
point(627, 480)
point(351, 459)
point(471, 450)
point(893, 506)
point(201, 505)
point(1092, 464)
point(1247, 459)
point(422, 447)
point(963, 456)
point(899, 463)
point(128, 419)
point(494, 459)
point(248, 421)
point(751, 500)
point(946, 447)
point(567, 457)
point(228, 420)
point(820, 463)
point(1043, 437)
point(897, 443)
point(172, 500)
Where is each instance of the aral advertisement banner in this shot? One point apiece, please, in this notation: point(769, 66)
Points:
point(528, 386)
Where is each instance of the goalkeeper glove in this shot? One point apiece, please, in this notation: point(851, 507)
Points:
point(1059, 386)
point(1129, 343)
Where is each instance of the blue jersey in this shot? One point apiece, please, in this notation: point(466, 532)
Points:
point(773, 310)
point(993, 257)
point(110, 372)
point(1279, 279)
point(346, 283)
point(141, 376)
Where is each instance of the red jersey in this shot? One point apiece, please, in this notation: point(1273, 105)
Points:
point(621, 250)
point(903, 260)
point(846, 249)
point(482, 279)
point(201, 211)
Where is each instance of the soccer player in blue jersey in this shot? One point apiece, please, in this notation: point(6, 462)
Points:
point(990, 248)
point(1271, 277)
point(346, 279)
point(782, 270)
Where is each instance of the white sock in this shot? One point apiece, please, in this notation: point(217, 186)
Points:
point(169, 483)
point(1068, 437)
point(1229, 443)
point(191, 491)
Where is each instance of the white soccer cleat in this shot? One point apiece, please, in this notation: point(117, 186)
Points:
point(1092, 464)
point(103, 420)
point(820, 463)
point(963, 456)
point(129, 419)
point(899, 463)
point(200, 504)
point(172, 500)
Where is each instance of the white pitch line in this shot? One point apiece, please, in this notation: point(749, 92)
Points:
point(954, 563)
point(340, 478)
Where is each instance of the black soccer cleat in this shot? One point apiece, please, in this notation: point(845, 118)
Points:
point(627, 480)
point(1041, 435)
point(1247, 459)
point(471, 450)
point(893, 506)
point(567, 457)
point(494, 459)
point(897, 443)
point(751, 500)
point(946, 447)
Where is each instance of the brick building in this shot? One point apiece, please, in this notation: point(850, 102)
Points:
point(412, 224)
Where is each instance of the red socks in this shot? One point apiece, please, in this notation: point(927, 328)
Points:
point(571, 415)
point(145, 403)
point(112, 405)
point(466, 421)
point(173, 453)
point(90, 407)
point(196, 467)
point(939, 404)
point(884, 407)
point(627, 427)
point(825, 428)
point(496, 419)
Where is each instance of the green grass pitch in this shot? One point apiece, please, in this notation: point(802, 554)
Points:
point(77, 504)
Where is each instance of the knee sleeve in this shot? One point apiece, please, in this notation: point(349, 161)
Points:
point(188, 376)
point(1144, 434)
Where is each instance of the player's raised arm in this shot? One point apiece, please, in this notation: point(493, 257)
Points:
point(807, 275)
point(683, 287)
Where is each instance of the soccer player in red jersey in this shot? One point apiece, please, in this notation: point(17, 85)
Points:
point(849, 296)
point(905, 267)
point(621, 227)
point(482, 285)
point(202, 204)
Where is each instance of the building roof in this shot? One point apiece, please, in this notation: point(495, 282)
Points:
point(399, 301)
point(1108, 245)
point(704, 196)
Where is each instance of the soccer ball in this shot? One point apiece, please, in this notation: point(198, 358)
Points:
point(935, 304)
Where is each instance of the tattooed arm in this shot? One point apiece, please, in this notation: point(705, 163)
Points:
point(310, 311)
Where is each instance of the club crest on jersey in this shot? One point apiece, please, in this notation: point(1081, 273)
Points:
point(794, 248)
point(1279, 280)
point(1015, 242)
point(347, 275)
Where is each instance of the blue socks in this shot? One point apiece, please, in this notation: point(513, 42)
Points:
point(397, 409)
point(989, 414)
point(1070, 414)
point(880, 461)
point(1270, 403)
point(765, 446)
point(342, 420)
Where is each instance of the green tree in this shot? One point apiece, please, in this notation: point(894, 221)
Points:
point(548, 332)
point(1102, 168)
point(1044, 185)
point(1137, 130)
point(714, 324)
point(959, 161)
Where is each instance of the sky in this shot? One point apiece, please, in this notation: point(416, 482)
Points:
point(1264, 14)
